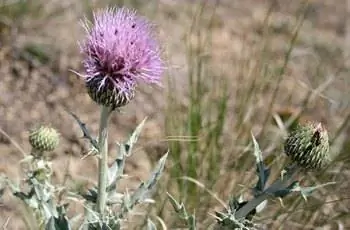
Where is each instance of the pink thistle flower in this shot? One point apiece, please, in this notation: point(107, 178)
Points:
point(120, 50)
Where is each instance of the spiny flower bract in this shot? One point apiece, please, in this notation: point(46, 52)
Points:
point(44, 138)
point(119, 50)
point(308, 146)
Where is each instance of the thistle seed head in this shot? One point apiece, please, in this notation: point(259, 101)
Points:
point(44, 139)
point(308, 146)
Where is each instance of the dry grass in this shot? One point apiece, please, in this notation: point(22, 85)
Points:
point(234, 67)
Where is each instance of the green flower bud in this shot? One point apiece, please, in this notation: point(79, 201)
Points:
point(308, 146)
point(44, 139)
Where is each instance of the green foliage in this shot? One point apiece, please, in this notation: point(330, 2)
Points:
point(180, 209)
point(41, 195)
point(203, 120)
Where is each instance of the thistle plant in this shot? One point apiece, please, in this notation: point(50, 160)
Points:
point(120, 51)
point(39, 194)
point(308, 149)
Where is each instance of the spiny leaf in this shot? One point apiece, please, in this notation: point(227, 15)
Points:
point(261, 170)
point(157, 172)
point(191, 222)
point(307, 191)
point(60, 223)
point(179, 208)
point(176, 205)
point(144, 188)
point(86, 133)
point(125, 149)
point(116, 171)
point(134, 137)
point(282, 192)
point(181, 211)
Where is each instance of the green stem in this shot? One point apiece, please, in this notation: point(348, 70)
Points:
point(103, 160)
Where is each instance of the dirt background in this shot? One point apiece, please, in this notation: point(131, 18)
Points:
point(38, 89)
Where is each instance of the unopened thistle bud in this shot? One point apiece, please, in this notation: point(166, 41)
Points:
point(44, 139)
point(308, 146)
point(119, 51)
point(108, 96)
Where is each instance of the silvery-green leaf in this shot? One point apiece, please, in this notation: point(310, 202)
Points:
point(307, 191)
point(126, 205)
point(181, 211)
point(191, 222)
point(86, 133)
point(134, 137)
point(284, 180)
point(27, 159)
point(41, 193)
point(116, 171)
point(282, 192)
point(90, 216)
point(179, 208)
point(176, 205)
point(33, 203)
point(144, 187)
point(151, 225)
point(51, 224)
point(60, 223)
point(2, 191)
point(261, 170)
point(49, 209)
point(157, 172)
point(261, 206)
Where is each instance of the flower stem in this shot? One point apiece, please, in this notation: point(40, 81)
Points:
point(103, 160)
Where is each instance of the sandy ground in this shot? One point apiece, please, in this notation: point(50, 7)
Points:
point(32, 93)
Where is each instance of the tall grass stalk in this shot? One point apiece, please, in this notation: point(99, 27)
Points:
point(282, 69)
point(204, 119)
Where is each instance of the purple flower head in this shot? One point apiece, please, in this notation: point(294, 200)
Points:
point(119, 51)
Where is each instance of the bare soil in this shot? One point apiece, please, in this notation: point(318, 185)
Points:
point(35, 92)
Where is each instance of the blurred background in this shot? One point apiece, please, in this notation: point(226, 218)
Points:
point(233, 67)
